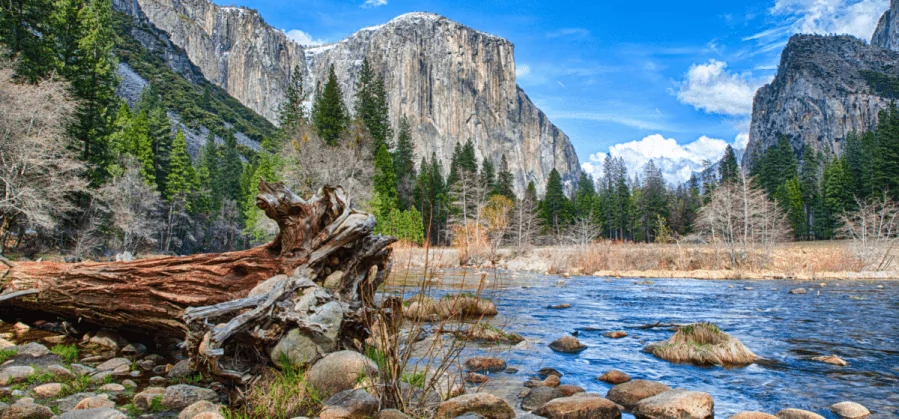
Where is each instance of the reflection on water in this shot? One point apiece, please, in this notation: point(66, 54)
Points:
point(854, 320)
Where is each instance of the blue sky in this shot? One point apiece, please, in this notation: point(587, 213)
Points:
point(672, 81)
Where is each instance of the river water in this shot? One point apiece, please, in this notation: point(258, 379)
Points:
point(858, 321)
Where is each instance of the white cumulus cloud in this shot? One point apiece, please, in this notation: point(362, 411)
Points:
point(677, 161)
point(853, 17)
point(303, 38)
point(522, 71)
point(713, 89)
point(374, 3)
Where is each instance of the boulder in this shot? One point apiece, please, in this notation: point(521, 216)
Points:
point(183, 395)
point(68, 403)
point(614, 377)
point(98, 402)
point(798, 291)
point(483, 364)
point(99, 413)
point(107, 339)
point(702, 344)
point(850, 410)
point(752, 415)
point(340, 371)
point(134, 349)
point(475, 378)
point(47, 390)
point(209, 415)
point(618, 334)
point(797, 414)
point(538, 397)
point(484, 404)
point(567, 344)
point(15, 374)
point(333, 280)
point(632, 392)
point(181, 369)
point(581, 406)
point(81, 369)
point(350, 404)
point(547, 371)
point(60, 371)
point(26, 410)
point(143, 399)
point(112, 388)
point(570, 390)
point(676, 404)
point(201, 406)
point(32, 349)
point(114, 364)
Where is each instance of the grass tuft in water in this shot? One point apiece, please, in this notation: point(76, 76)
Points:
point(703, 344)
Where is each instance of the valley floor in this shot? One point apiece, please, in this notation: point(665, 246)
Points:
point(830, 260)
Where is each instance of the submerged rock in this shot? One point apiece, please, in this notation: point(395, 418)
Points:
point(567, 344)
point(752, 415)
point(850, 410)
point(702, 344)
point(547, 371)
point(798, 291)
point(676, 404)
point(618, 334)
point(570, 389)
point(484, 404)
point(632, 392)
point(550, 381)
point(831, 359)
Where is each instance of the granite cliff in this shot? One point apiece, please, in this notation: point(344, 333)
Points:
point(454, 83)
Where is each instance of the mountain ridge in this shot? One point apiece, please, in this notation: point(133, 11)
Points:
point(454, 83)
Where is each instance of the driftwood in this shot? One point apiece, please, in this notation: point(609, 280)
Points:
point(205, 300)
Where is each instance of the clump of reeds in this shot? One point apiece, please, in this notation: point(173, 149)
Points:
point(703, 344)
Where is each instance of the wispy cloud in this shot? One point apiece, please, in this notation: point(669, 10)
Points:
point(569, 32)
point(373, 3)
point(626, 120)
point(852, 17)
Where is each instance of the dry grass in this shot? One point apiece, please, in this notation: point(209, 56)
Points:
point(703, 344)
point(807, 260)
point(280, 394)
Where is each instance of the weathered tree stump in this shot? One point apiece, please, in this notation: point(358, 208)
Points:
point(205, 300)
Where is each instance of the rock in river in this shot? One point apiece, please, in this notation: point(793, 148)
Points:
point(538, 397)
point(632, 392)
point(752, 415)
point(614, 377)
point(579, 406)
point(850, 410)
point(676, 404)
point(483, 364)
point(797, 414)
point(831, 359)
point(567, 344)
point(484, 404)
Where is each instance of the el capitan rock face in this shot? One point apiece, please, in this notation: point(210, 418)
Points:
point(887, 33)
point(453, 83)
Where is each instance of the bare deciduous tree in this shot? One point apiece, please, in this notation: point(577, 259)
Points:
point(133, 208)
point(583, 231)
point(742, 218)
point(873, 228)
point(39, 173)
point(311, 162)
point(525, 224)
point(225, 233)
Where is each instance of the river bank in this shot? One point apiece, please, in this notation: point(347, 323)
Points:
point(807, 261)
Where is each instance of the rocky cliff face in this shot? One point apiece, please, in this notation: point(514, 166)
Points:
point(821, 93)
point(453, 83)
point(887, 33)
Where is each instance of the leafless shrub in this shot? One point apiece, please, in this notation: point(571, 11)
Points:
point(39, 172)
point(873, 228)
point(583, 231)
point(524, 225)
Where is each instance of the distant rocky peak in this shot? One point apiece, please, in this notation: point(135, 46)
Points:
point(887, 33)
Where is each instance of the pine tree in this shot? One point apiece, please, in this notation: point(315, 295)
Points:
point(384, 181)
point(371, 105)
point(487, 176)
point(809, 185)
point(141, 146)
point(729, 171)
point(66, 29)
point(836, 188)
point(404, 164)
point(119, 142)
point(555, 210)
point(468, 161)
point(652, 202)
point(23, 28)
point(859, 155)
point(505, 180)
point(231, 169)
point(160, 132)
point(182, 179)
point(93, 82)
point(292, 113)
point(886, 159)
point(209, 162)
point(454, 165)
point(328, 112)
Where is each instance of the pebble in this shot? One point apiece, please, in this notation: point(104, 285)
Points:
point(47, 390)
point(98, 402)
point(129, 384)
point(82, 369)
point(60, 371)
point(112, 387)
point(158, 381)
point(32, 349)
point(114, 364)
point(15, 374)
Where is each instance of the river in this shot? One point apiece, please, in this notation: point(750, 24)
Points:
point(858, 321)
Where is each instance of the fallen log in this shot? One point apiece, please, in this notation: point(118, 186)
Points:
point(206, 299)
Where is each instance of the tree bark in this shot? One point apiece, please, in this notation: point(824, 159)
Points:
point(184, 297)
